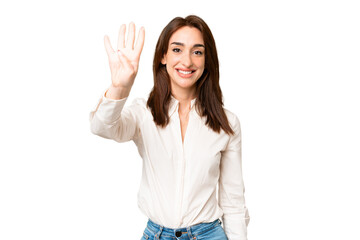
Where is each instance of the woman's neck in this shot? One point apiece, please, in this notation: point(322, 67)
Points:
point(184, 98)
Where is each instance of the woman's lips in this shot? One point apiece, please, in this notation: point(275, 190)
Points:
point(185, 73)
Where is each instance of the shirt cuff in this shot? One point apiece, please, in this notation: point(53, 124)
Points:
point(235, 225)
point(109, 110)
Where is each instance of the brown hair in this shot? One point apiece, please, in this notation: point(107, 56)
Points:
point(209, 101)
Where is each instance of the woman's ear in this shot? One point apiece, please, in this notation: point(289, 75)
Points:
point(163, 60)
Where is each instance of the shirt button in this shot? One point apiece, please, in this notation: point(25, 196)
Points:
point(178, 234)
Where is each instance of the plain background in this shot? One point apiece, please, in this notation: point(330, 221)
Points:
point(289, 70)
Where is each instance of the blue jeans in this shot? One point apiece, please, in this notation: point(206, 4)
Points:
point(208, 231)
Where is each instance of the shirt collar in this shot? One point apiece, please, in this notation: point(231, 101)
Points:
point(174, 104)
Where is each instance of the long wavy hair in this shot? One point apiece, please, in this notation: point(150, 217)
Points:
point(209, 101)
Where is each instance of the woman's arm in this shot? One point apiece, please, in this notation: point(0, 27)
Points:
point(109, 119)
point(231, 187)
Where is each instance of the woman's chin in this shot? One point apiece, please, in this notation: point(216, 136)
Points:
point(186, 84)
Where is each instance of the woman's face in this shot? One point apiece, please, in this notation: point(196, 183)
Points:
point(185, 58)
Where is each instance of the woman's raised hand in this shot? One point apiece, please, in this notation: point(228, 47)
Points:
point(124, 62)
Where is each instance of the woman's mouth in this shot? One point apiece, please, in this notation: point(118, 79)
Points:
point(185, 73)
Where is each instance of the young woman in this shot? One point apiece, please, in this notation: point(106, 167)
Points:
point(188, 142)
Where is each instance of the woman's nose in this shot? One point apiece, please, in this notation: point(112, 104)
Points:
point(186, 60)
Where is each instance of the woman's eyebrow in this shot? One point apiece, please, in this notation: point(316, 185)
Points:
point(181, 44)
point(199, 45)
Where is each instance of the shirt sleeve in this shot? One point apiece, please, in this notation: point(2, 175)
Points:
point(111, 120)
point(231, 188)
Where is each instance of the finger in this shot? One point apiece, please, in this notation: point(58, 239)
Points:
point(131, 36)
point(140, 42)
point(109, 49)
point(121, 37)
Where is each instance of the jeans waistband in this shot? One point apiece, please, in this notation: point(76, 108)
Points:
point(191, 231)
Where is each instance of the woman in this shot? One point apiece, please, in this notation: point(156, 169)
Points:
point(188, 142)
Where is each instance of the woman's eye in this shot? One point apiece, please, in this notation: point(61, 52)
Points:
point(176, 50)
point(198, 52)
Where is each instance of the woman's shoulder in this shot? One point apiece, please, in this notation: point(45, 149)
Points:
point(231, 115)
point(233, 119)
point(139, 101)
point(138, 104)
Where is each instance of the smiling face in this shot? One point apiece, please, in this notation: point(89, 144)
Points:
point(185, 59)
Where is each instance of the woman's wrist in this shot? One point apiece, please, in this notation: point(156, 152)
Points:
point(117, 93)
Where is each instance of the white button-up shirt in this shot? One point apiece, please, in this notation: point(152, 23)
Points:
point(179, 179)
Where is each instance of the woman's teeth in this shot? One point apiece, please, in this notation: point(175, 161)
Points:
point(184, 72)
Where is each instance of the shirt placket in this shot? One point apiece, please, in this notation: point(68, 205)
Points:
point(181, 166)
